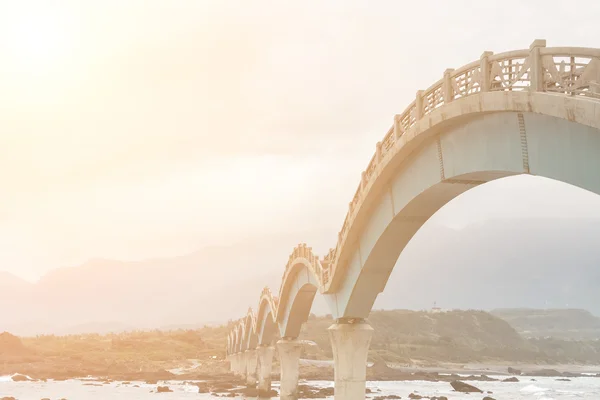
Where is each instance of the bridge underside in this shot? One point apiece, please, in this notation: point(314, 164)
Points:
point(295, 306)
point(484, 148)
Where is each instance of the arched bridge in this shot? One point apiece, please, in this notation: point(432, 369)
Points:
point(534, 111)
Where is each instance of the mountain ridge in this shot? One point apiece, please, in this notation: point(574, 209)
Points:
point(465, 269)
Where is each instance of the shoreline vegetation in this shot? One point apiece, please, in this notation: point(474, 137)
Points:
point(406, 345)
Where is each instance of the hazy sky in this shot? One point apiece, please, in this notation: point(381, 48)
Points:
point(133, 129)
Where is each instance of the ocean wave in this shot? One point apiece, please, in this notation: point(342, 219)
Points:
point(534, 389)
point(8, 378)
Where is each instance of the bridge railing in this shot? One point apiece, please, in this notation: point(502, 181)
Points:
point(321, 272)
point(573, 71)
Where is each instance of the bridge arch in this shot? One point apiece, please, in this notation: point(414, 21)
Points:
point(239, 336)
point(250, 338)
point(300, 282)
point(471, 141)
point(266, 323)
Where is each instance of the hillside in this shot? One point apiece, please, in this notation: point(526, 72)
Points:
point(420, 337)
point(400, 337)
point(569, 324)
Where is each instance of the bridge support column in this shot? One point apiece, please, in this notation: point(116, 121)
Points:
point(350, 340)
point(233, 363)
point(251, 361)
point(265, 360)
point(289, 358)
point(239, 363)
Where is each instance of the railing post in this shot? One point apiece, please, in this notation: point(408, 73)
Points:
point(536, 73)
point(378, 152)
point(363, 181)
point(447, 86)
point(485, 71)
point(398, 126)
point(419, 105)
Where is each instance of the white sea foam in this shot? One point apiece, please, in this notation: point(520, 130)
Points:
point(544, 389)
point(533, 389)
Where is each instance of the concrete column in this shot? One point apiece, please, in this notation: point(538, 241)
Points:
point(234, 363)
point(484, 71)
point(398, 126)
point(419, 105)
point(536, 72)
point(378, 152)
point(289, 358)
point(239, 363)
point(447, 88)
point(350, 340)
point(363, 182)
point(251, 360)
point(265, 360)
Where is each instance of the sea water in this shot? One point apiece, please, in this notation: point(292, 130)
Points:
point(540, 389)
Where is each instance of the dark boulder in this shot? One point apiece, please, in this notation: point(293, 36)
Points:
point(483, 378)
point(267, 394)
point(464, 387)
point(11, 345)
point(20, 378)
point(312, 392)
point(380, 367)
point(203, 387)
point(546, 373)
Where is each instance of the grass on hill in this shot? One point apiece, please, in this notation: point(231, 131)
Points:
point(400, 336)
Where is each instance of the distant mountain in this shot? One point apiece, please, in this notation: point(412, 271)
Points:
point(561, 324)
point(534, 263)
point(212, 284)
point(11, 282)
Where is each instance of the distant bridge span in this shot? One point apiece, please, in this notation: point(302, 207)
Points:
point(533, 111)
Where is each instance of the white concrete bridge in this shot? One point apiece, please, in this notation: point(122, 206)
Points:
point(534, 111)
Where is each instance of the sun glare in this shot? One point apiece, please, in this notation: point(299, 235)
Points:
point(38, 43)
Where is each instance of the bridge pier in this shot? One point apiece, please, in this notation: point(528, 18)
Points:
point(231, 359)
point(250, 364)
point(233, 363)
point(350, 340)
point(265, 360)
point(239, 364)
point(289, 357)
